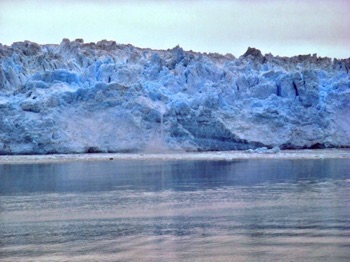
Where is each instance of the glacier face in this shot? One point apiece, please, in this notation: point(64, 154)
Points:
point(106, 97)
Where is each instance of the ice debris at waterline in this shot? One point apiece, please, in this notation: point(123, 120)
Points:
point(108, 97)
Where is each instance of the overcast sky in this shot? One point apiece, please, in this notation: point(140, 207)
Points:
point(280, 27)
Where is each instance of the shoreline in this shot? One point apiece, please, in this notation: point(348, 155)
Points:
point(169, 156)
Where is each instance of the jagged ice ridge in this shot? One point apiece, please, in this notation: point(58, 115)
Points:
point(108, 97)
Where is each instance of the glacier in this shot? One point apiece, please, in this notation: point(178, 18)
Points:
point(79, 97)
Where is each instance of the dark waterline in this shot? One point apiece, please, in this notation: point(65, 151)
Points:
point(285, 210)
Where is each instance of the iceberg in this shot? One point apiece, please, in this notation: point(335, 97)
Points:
point(105, 97)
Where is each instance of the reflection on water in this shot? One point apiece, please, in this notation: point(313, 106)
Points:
point(271, 210)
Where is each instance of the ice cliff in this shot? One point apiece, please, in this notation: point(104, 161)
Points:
point(106, 97)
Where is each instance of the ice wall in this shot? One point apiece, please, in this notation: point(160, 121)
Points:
point(107, 97)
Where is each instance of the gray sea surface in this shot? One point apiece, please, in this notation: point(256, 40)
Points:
point(240, 210)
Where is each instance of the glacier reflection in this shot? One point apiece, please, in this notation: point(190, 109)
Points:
point(176, 210)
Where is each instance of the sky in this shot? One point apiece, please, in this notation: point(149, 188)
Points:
point(280, 27)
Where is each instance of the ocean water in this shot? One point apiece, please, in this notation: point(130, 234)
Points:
point(242, 210)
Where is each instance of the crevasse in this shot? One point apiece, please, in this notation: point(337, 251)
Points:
point(106, 97)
